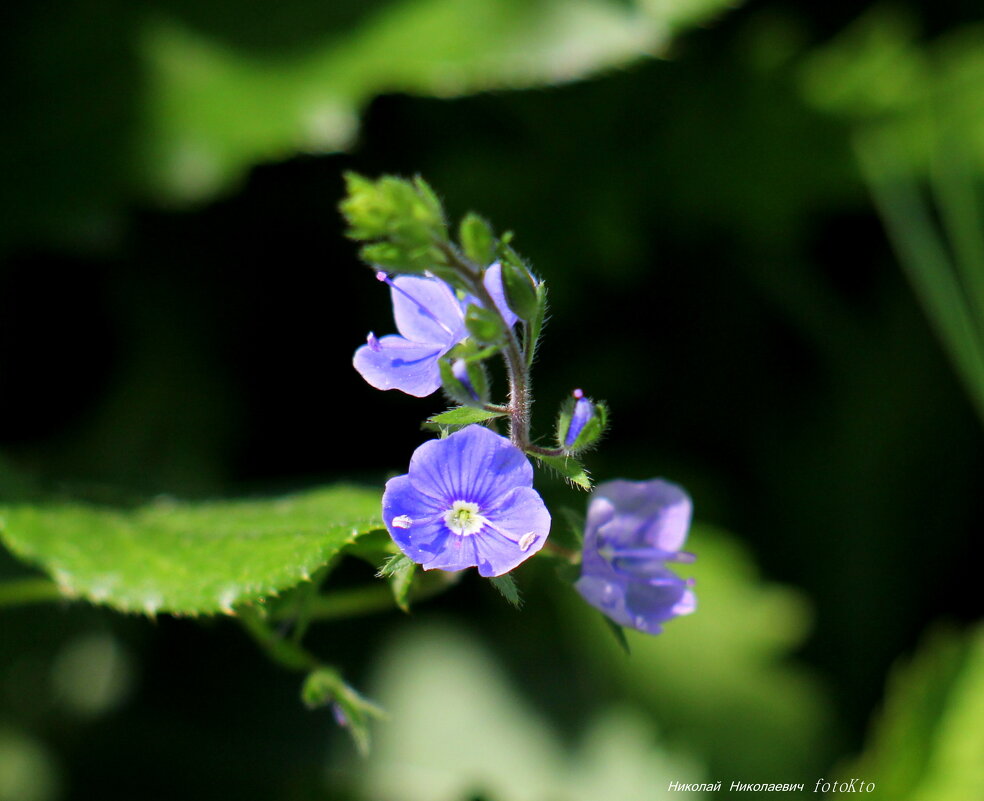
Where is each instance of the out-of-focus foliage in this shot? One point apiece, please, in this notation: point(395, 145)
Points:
point(27, 771)
point(457, 729)
point(928, 739)
point(179, 99)
point(918, 116)
point(214, 110)
point(748, 709)
point(189, 558)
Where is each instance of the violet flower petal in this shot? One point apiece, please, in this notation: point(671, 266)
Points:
point(632, 530)
point(427, 310)
point(467, 501)
point(393, 362)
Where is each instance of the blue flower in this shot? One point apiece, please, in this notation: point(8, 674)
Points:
point(583, 411)
point(467, 501)
point(633, 529)
point(431, 320)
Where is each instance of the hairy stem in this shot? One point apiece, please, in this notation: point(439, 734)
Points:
point(520, 398)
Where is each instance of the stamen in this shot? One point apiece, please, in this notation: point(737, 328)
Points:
point(527, 540)
point(463, 518)
point(373, 342)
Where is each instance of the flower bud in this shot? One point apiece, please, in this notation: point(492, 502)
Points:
point(581, 423)
point(484, 325)
point(520, 289)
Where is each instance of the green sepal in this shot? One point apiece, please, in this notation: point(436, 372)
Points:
point(506, 585)
point(535, 326)
point(325, 687)
point(485, 325)
point(464, 416)
point(477, 239)
point(400, 569)
point(393, 565)
point(456, 389)
point(568, 467)
point(520, 288)
point(618, 632)
point(592, 431)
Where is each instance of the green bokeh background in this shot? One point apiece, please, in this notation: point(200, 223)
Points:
point(178, 310)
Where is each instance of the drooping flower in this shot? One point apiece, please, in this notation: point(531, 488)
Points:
point(431, 320)
point(467, 501)
point(583, 411)
point(633, 529)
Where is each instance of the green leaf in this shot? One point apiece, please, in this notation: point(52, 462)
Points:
point(477, 239)
point(506, 585)
point(928, 740)
point(463, 416)
point(568, 467)
point(189, 558)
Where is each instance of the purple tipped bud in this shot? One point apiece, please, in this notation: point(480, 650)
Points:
point(584, 410)
point(340, 717)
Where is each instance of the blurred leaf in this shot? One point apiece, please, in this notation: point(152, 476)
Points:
point(436, 683)
point(28, 771)
point(506, 585)
point(189, 558)
point(463, 416)
point(213, 110)
point(618, 632)
point(928, 741)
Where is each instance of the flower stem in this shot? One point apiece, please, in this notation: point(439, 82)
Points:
point(520, 398)
point(284, 652)
point(367, 600)
point(536, 450)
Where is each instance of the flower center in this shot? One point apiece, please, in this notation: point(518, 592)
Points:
point(463, 518)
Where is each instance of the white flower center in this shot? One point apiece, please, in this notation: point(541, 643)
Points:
point(463, 518)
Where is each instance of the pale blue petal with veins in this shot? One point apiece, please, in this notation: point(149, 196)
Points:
point(431, 320)
point(467, 501)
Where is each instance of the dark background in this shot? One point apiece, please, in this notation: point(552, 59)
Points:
point(717, 274)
